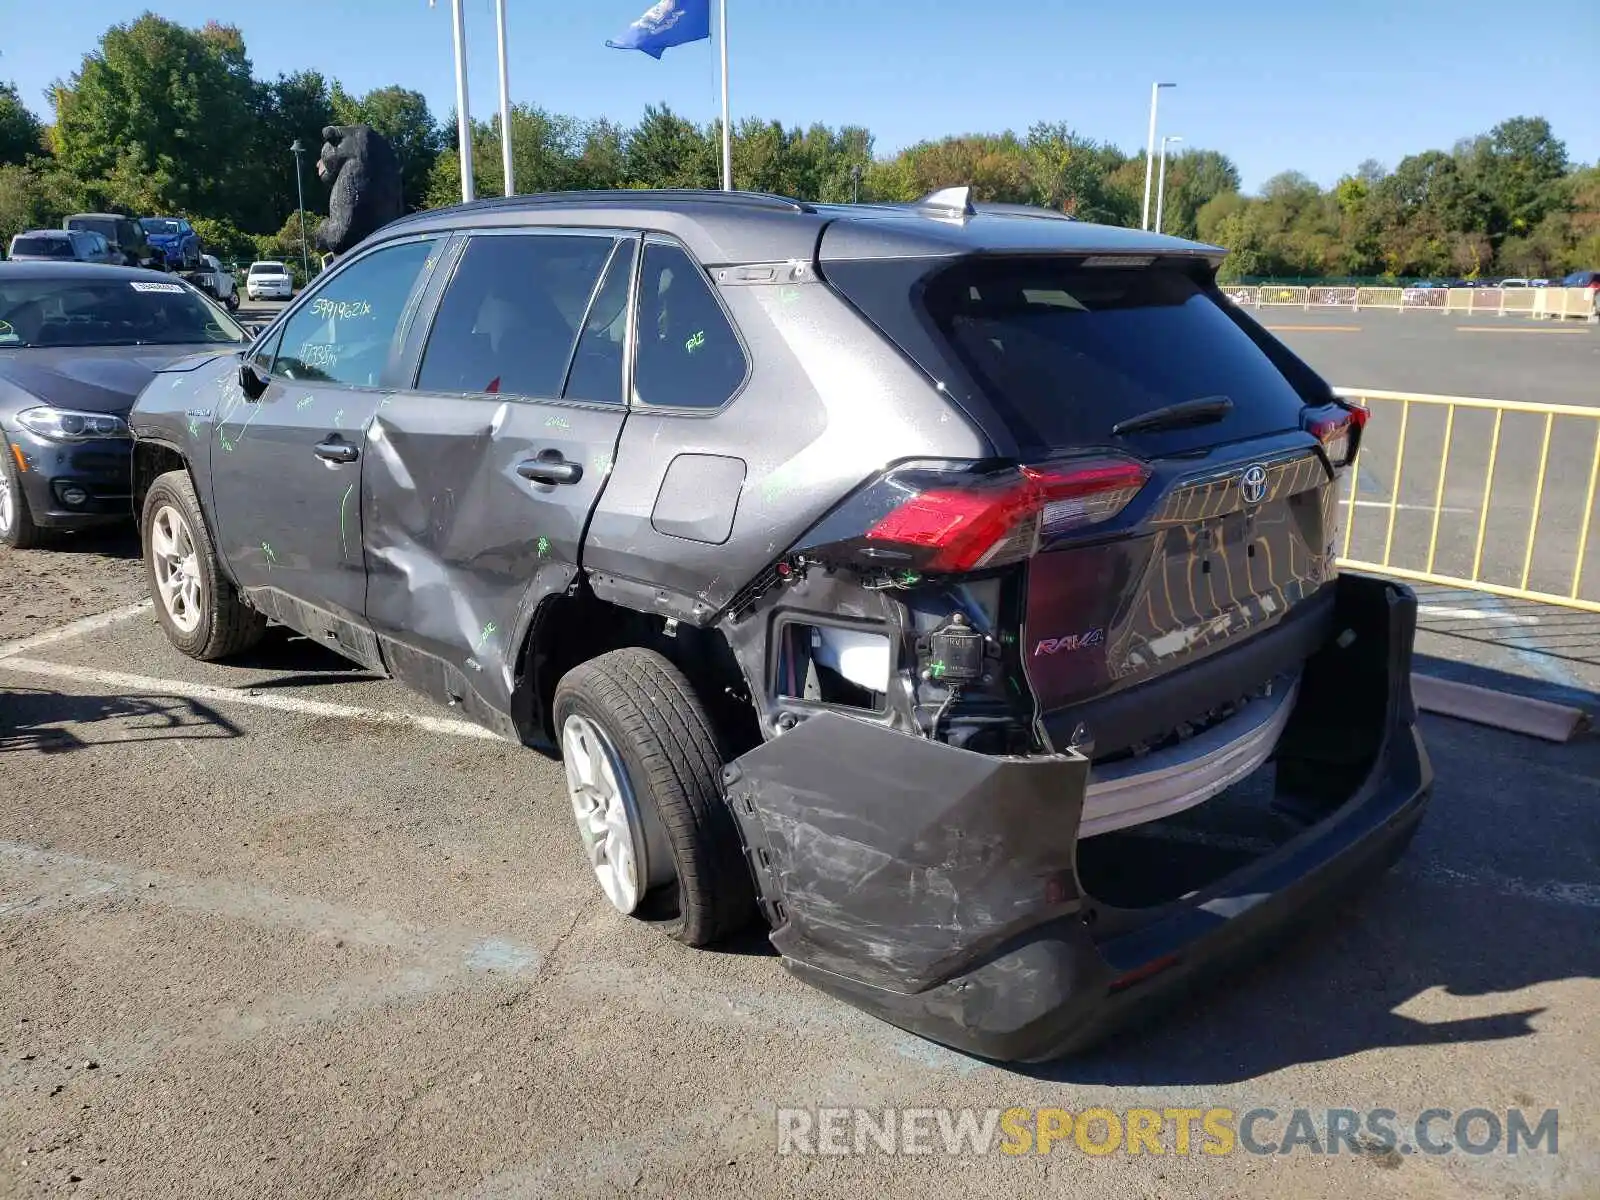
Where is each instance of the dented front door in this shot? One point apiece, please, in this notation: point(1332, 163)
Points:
point(286, 465)
point(480, 480)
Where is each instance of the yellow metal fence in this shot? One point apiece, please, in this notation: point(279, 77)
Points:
point(1492, 495)
point(1554, 302)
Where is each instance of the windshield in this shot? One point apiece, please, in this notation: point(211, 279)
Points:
point(42, 247)
point(159, 225)
point(109, 311)
point(267, 269)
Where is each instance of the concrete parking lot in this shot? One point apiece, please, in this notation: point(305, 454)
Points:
point(281, 928)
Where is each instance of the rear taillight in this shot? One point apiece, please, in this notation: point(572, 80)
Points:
point(969, 523)
point(1340, 433)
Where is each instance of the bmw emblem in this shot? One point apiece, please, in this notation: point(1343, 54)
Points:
point(1253, 484)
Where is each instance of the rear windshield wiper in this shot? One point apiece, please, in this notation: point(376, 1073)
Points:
point(1175, 416)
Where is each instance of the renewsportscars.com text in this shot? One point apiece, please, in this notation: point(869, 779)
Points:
point(1171, 1131)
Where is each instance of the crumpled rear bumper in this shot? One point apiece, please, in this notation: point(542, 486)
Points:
point(938, 889)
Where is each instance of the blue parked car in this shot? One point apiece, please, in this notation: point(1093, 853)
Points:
point(175, 239)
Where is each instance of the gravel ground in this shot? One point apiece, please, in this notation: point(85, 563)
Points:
point(84, 573)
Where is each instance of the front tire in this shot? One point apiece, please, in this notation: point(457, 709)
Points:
point(233, 301)
point(195, 602)
point(644, 778)
point(17, 527)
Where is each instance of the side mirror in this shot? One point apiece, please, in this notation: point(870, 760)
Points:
point(251, 381)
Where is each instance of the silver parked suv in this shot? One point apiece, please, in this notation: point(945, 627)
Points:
point(952, 590)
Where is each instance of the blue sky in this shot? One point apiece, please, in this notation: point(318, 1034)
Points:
point(1315, 86)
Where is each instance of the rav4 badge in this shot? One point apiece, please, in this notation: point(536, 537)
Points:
point(1073, 641)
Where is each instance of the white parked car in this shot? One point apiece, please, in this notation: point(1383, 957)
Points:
point(1514, 283)
point(268, 281)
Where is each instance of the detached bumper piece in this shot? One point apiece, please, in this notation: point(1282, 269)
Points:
point(938, 889)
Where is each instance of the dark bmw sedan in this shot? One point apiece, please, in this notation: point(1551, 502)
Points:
point(78, 342)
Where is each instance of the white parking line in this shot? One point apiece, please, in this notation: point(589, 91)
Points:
point(145, 685)
point(75, 629)
point(1475, 614)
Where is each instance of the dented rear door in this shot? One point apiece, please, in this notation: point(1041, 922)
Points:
point(481, 477)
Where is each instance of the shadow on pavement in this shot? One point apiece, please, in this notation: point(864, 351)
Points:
point(110, 541)
point(32, 719)
point(1452, 920)
point(306, 663)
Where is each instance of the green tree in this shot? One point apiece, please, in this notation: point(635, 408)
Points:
point(21, 134)
point(155, 119)
point(291, 107)
point(35, 196)
point(666, 151)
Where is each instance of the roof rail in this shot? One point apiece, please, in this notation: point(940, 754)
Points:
point(626, 196)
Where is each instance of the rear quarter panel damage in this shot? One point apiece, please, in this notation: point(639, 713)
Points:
point(827, 405)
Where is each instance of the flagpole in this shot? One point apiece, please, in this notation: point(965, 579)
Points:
point(505, 101)
point(727, 130)
point(463, 115)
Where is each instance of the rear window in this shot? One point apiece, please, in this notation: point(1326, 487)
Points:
point(1065, 352)
point(106, 226)
point(42, 246)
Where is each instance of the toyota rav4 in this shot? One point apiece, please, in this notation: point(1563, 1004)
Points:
point(952, 590)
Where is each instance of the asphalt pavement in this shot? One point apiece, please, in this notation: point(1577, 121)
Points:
point(281, 928)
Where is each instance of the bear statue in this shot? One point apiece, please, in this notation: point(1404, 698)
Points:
point(361, 167)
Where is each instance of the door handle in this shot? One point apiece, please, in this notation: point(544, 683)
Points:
point(336, 450)
point(550, 467)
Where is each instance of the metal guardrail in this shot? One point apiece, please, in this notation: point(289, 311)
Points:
point(1492, 520)
point(1554, 302)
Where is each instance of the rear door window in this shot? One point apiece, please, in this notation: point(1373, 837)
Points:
point(596, 373)
point(686, 352)
point(509, 321)
point(1065, 352)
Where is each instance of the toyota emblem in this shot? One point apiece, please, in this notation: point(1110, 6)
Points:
point(1253, 484)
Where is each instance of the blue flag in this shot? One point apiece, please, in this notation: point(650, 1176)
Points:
point(667, 23)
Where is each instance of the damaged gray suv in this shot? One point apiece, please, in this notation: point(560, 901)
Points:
point(951, 589)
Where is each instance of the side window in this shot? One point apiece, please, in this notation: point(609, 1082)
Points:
point(344, 332)
point(596, 373)
point(509, 319)
point(687, 355)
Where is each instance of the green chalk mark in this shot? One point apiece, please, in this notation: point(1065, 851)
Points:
point(483, 638)
point(542, 548)
point(266, 549)
point(936, 668)
point(305, 402)
point(344, 502)
point(557, 423)
point(695, 341)
point(338, 418)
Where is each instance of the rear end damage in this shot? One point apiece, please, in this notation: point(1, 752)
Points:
point(1051, 732)
point(953, 893)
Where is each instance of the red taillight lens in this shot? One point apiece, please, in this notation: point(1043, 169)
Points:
point(1002, 520)
point(1340, 435)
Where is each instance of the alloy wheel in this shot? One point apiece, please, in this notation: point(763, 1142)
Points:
point(604, 806)
point(177, 568)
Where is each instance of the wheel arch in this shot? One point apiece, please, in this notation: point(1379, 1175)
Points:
point(571, 626)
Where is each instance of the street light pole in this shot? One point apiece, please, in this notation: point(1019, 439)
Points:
point(1150, 150)
point(300, 193)
point(1161, 179)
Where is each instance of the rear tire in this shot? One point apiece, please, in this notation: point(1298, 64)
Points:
point(17, 528)
point(197, 605)
point(664, 756)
